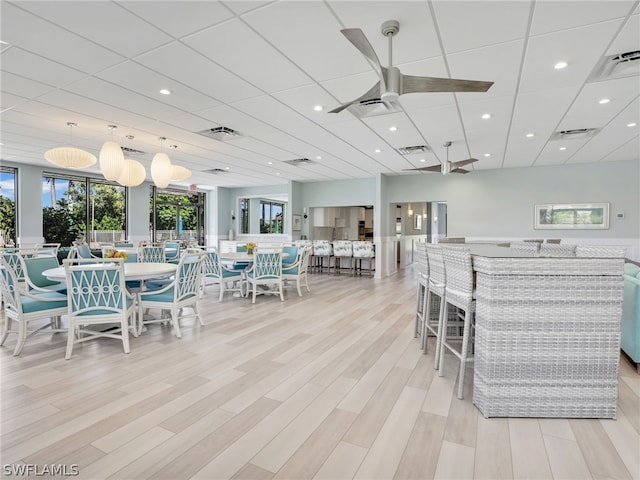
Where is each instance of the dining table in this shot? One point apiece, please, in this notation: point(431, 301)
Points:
point(134, 271)
point(547, 333)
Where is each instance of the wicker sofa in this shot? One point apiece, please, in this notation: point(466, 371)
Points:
point(630, 337)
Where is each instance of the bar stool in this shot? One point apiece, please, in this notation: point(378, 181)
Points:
point(437, 282)
point(459, 293)
point(423, 285)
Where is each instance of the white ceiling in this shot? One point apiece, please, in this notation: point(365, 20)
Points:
point(260, 67)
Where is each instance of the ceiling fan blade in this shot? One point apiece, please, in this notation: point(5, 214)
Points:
point(462, 163)
point(433, 168)
point(371, 94)
point(412, 84)
point(360, 41)
point(459, 170)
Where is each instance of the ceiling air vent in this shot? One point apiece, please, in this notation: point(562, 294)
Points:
point(215, 171)
point(575, 134)
point(416, 149)
point(616, 66)
point(220, 133)
point(132, 151)
point(296, 162)
point(369, 108)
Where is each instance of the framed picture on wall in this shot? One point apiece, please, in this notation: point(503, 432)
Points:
point(417, 221)
point(297, 222)
point(570, 216)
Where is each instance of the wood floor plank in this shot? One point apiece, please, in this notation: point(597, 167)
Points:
point(386, 452)
point(343, 462)
point(493, 449)
point(276, 453)
point(455, 461)
point(420, 458)
point(565, 458)
point(629, 403)
point(626, 441)
point(315, 451)
point(527, 449)
point(368, 423)
point(599, 453)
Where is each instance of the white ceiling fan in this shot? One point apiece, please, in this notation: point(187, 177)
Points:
point(392, 82)
point(447, 167)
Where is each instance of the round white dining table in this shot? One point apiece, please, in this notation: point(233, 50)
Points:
point(132, 271)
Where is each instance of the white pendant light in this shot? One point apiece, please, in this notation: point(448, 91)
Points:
point(180, 173)
point(133, 173)
point(70, 157)
point(111, 158)
point(161, 168)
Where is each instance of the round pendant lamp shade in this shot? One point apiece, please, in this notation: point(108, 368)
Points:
point(133, 173)
point(180, 173)
point(70, 157)
point(111, 160)
point(161, 170)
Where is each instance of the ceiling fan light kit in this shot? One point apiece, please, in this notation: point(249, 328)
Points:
point(393, 83)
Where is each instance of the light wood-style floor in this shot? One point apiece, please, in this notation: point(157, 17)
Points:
point(328, 386)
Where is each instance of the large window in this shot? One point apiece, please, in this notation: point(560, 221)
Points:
point(176, 214)
point(8, 227)
point(69, 213)
point(271, 217)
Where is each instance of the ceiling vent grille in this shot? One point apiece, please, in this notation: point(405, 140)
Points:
point(220, 133)
point(215, 171)
point(616, 66)
point(132, 151)
point(296, 162)
point(416, 149)
point(369, 108)
point(575, 134)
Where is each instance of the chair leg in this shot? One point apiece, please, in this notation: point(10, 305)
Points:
point(221, 291)
point(438, 363)
point(6, 329)
point(22, 338)
point(298, 286)
point(463, 352)
point(175, 321)
point(253, 300)
point(196, 310)
point(281, 292)
point(124, 331)
point(70, 339)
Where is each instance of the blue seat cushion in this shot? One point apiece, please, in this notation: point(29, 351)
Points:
point(267, 277)
point(230, 274)
point(105, 311)
point(289, 271)
point(30, 305)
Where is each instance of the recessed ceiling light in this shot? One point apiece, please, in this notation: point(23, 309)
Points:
point(560, 65)
point(632, 124)
point(529, 135)
point(269, 163)
point(318, 108)
point(563, 148)
point(393, 129)
point(486, 116)
point(377, 150)
point(227, 168)
point(603, 101)
point(422, 160)
point(277, 173)
point(487, 154)
point(164, 91)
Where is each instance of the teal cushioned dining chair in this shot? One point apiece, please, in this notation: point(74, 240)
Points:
point(297, 271)
point(151, 254)
point(25, 307)
point(35, 281)
point(182, 292)
point(266, 271)
point(172, 251)
point(97, 295)
point(214, 273)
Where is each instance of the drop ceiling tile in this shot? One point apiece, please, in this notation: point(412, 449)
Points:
point(231, 117)
point(481, 24)
point(628, 40)
point(179, 18)
point(232, 43)
point(22, 87)
point(279, 23)
point(303, 99)
point(580, 47)
point(271, 111)
point(55, 43)
point(549, 105)
point(112, 27)
point(439, 125)
point(405, 135)
point(628, 151)
point(144, 81)
point(30, 67)
point(9, 101)
point(243, 6)
point(552, 155)
point(499, 109)
point(561, 15)
point(181, 63)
